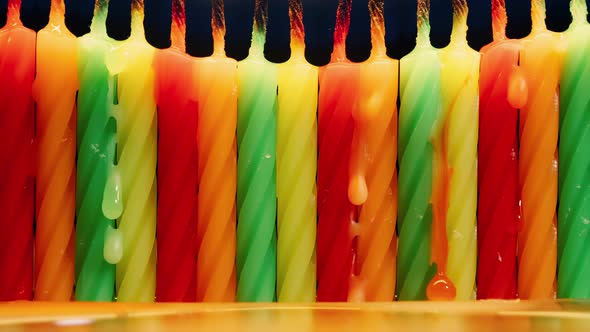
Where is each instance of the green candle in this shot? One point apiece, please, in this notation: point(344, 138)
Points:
point(574, 161)
point(95, 277)
point(256, 201)
point(419, 110)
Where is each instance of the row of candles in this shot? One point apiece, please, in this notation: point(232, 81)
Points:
point(235, 203)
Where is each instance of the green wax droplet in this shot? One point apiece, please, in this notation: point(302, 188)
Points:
point(112, 204)
point(113, 246)
point(95, 278)
point(256, 196)
point(420, 108)
point(573, 237)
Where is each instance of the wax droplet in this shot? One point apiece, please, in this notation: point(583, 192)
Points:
point(357, 190)
point(112, 203)
point(113, 246)
point(517, 88)
point(441, 288)
point(116, 60)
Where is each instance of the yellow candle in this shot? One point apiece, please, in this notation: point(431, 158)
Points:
point(55, 89)
point(216, 136)
point(460, 76)
point(136, 151)
point(296, 170)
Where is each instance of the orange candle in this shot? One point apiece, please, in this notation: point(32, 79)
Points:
point(540, 60)
point(55, 89)
point(373, 182)
point(216, 134)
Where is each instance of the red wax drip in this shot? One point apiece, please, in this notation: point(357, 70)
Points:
point(177, 178)
point(336, 214)
point(17, 127)
point(498, 205)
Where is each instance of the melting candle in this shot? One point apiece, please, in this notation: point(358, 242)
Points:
point(95, 275)
point(459, 78)
point(296, 170)
point(376, 128)
point(498, 204)
point(137, 154)
point(256, 255)
point(55, 88)
point(218, 103)
point(177, 167)
point(540, 60)
point(419, 111)
point(574, 160)
point(17, 128)
point(338, 99)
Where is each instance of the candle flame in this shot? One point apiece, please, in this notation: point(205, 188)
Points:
point(178, 28)
point(297, 28)
point(499, 19)
point(377, 27)
point(423, 20)
point(218, 25)
point(341, 30)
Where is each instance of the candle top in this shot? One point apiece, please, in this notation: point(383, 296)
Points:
point(499, 19)
point(13, 16)
point(137, 15)
point(259, 28)
point(297, 28)
point(178, 28)
point(538, 15)
point(377, 28)
point(57, 13)
point(579, 12)
point(460, 10)
point(218, 27)
point(341, 30)
point(423, 18)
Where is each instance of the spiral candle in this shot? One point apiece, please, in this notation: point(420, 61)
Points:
point(217, 99)
point(256, 184)
point(55, 93)
point(137, 155)
point(17, 129)
point(296, 170)
point(377, 124)
point(539, 125)
point(95, 277)
point(177, 168)
point(338, 99)
point(498, 210)
point(419, 110)
point(574, 161)
point(459, 77)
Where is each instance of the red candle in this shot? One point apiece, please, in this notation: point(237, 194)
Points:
point(498, 205)
point(177, 169)
point(17, 127)
point(336, 214)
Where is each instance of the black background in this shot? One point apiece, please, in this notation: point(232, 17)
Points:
point(319, 18)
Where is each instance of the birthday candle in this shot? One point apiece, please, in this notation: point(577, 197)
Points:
point(137, 154)
point(574, 161)
point(296, 170)
point(498, 210)
point(95, 276)
point(177, 168)
point(256, 184)
point(376, 124)
point(55, 93)
point(338, 99)
point(420, 108)
point(459, 77)
point(17, 128)
point(216, 240)
point(540, 60)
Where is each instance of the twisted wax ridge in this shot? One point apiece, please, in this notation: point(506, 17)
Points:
point(296, 185)
point(178, 28)
point(377, 27)
point(574, 163)
point(499, 19)
point(341, 29)
point(216, 272)
point(218, 25)
point(418, 113)
point(94, 276)
point(297, 28)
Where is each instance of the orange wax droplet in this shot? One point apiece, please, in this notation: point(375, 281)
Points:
point(357, 190)
point(441, 288)
point(517, 88)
